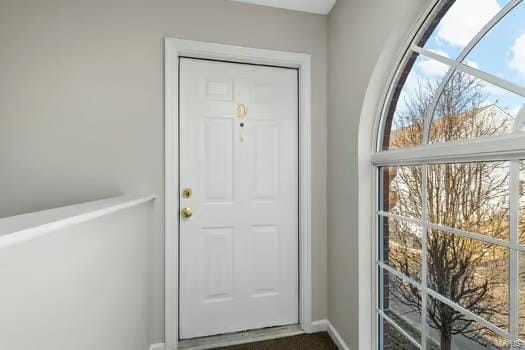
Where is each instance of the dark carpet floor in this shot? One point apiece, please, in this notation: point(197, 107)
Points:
point(316, 341)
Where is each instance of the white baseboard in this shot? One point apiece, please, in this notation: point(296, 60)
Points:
point(326, 326)
point(157, 346)
point(318, 326)
point(336, 337)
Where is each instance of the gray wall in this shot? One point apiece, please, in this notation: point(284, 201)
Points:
point(357, 33)
point(81, 103)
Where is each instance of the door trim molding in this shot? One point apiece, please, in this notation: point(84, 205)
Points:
point(173, 49)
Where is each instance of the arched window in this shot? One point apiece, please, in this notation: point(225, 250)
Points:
point(451, 204)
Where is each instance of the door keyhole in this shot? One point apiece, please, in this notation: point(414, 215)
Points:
point(242, 131)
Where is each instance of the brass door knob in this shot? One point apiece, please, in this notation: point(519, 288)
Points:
point(186, 213)
point(187, 192)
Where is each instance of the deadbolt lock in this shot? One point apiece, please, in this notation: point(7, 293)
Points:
point(186, 213)
point(186, 193)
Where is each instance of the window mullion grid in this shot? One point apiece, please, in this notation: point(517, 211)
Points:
point(399, 328)
point(515, 166)
point(514, 294)
point(497, 330)
point(424, 266)
point(456, 232)
point(513, 245)
point(455, 64)
point(430, 112)
point(483, 149)
point(379, 251)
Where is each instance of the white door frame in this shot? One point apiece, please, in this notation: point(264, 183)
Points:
point(174, 48)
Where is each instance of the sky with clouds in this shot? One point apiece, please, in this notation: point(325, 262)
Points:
point(501, 52)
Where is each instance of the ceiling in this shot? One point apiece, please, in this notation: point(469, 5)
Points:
point(313, 6)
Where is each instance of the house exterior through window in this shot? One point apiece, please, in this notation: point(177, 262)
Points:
point(451, 184)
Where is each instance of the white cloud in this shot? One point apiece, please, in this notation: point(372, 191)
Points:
point(472, 64)
point(412, 82)
point(465, 19)
point(494, 91)
point(432, 69)
point(517, 59)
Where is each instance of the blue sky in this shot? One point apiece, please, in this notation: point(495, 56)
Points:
point(501, 52)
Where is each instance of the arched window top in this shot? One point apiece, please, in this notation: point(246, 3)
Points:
point(463, 77)
point(450, 175)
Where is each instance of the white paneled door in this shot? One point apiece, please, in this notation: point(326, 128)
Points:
point(239, 223)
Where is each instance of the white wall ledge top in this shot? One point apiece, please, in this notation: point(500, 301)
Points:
point(21, 227)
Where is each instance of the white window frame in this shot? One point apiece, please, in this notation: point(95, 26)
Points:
point(175, 48)
point(509, 147)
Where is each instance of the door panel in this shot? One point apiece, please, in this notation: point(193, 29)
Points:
point(265, 260)
point(266, 160)
point(217, 155)
point(239, 250)
point(218, 255)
